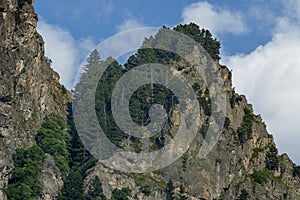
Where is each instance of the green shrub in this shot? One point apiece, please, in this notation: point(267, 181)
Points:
point(204, 128)
point(272, 160)
point(95, 190)
point(170, 190)
point(296, 171)
point(73, 186)
point(121, 194)
point(203, 98)
point(54, 139)
point(232, 99)
point(185, 157)
point(24, 182)
point(244, 195)
point(256, 152)
point(146, 189)
point(22, 2)
point(226, 123)
point(245, 130)
point(260, 177)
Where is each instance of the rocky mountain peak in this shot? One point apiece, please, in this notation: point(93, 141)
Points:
point(243, 164)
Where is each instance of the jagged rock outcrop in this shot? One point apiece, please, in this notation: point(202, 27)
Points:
point(237, 164)
point(243, 162)
point(29, 88)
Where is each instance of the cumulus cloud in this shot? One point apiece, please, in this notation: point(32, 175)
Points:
point(64, 51)
point(270, 78)
point(129, 37)
point(67, 53)
point(213, 18)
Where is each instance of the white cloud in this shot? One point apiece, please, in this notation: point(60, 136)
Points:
point(125, 42)
point(64, 51)
point(130, 24)
point(85, 45)
point(215, 19)
point(270, 78)
point(130, 35)
point(292, 9)
point(68, 53)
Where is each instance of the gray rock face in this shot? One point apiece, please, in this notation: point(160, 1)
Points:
point(29, 89)
point(51, 179)
point(236, 164)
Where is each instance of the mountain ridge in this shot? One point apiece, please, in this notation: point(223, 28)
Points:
point(244, 164)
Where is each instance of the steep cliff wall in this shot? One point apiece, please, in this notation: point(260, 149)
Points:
point(29, 89)
point(243, 164)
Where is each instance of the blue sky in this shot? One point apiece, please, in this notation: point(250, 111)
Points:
point(100, 18)
point(260, 43)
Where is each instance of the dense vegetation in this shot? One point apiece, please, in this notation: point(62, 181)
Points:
point(203, 37)
point(61, 141)
point(80, 160)
point(95, 190)
point(24, 182)
point(144, 97)
point(53, 139)
point(121, 194)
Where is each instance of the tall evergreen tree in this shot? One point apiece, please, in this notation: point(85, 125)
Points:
point(170, 190)
point(73, 186)
point(121, 194)
point(95, 191)
point(272, 160)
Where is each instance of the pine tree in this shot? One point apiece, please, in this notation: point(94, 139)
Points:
point(272, 161)
point(95, 191)
point(170, 190)
point(244, 195)
point(121, 194)
point(73, 187)
point(203, 37)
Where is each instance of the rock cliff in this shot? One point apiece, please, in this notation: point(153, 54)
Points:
point(29, 88)
point(244, 164)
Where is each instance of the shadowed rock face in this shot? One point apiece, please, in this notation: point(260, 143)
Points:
point(29, 88)
point(29, 91)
